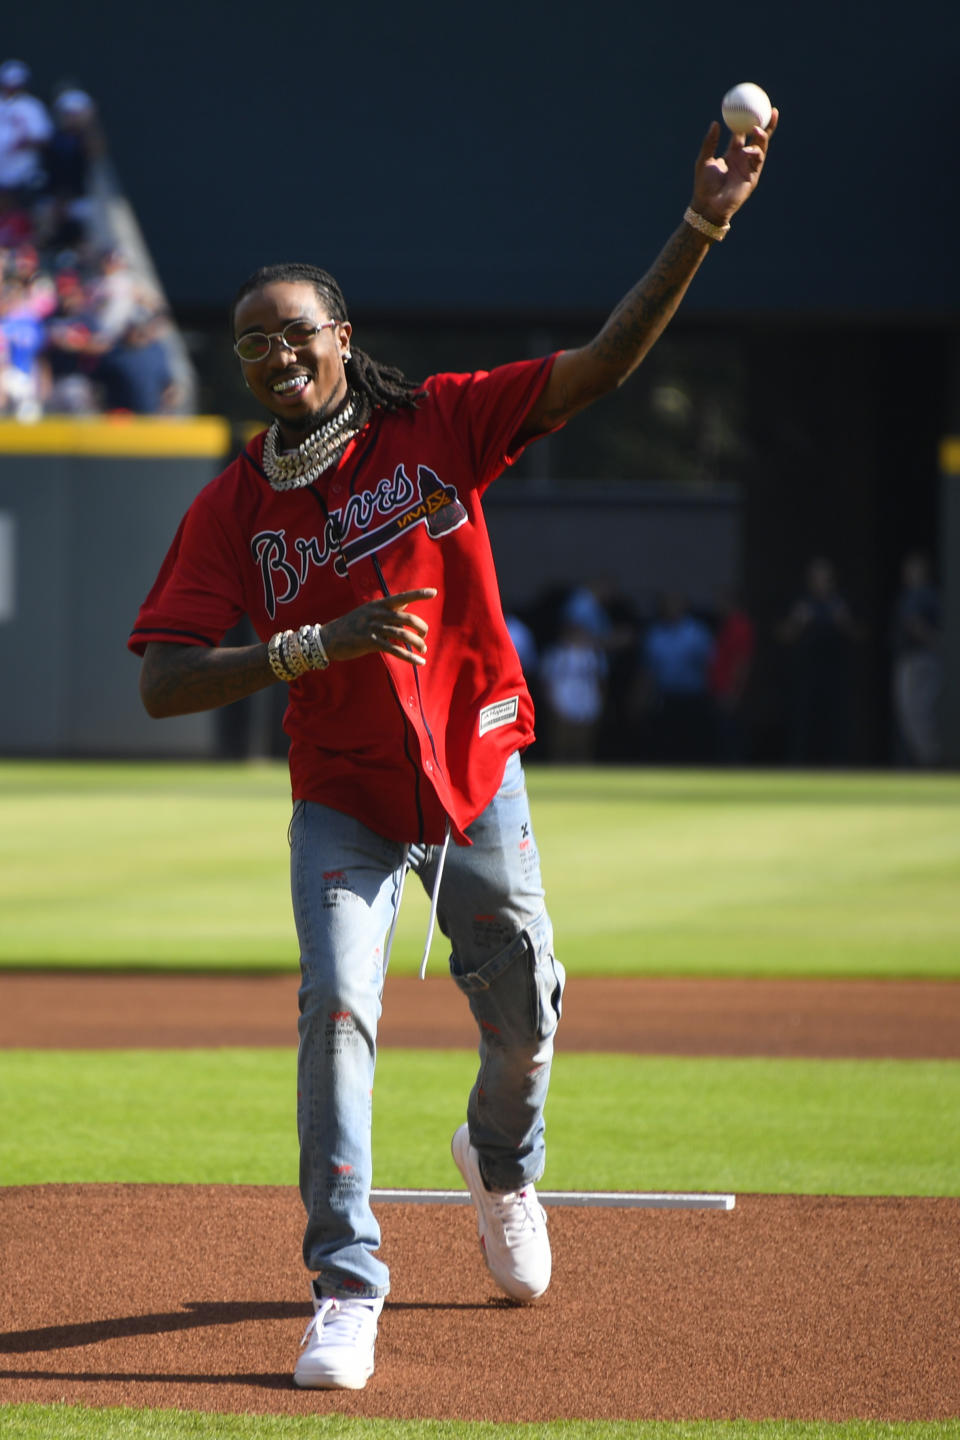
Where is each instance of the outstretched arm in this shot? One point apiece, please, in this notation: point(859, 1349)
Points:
point(182, 679)
point(721, 185)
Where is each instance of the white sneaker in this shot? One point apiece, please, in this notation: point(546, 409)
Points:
point(336, 1352)
point(512, 1226)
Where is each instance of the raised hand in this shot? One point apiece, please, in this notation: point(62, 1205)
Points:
point(721, 183)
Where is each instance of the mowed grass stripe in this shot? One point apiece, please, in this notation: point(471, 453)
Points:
point(613, 1122)
point(647, 872)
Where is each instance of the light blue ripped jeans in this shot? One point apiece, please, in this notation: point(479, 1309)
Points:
point(345, 882)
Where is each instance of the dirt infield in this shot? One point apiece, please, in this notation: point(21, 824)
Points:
point(194, 1297)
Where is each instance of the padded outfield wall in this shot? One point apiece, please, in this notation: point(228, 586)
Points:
point(87, 510)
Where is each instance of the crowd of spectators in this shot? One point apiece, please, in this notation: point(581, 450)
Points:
point(80, 333)
point(612, 683)
point(676, 685)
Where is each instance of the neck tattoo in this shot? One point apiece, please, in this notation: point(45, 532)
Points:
point(322, 448)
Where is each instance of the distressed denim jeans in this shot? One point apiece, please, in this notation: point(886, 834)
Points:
point(345, 883)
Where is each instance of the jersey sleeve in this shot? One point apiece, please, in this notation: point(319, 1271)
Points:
point(489, 407)
point(196, 597)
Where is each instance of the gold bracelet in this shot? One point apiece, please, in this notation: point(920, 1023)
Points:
point(705, 227)
point(292, 652)
point(275, 656)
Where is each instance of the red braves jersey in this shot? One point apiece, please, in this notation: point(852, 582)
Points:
point(401, 747)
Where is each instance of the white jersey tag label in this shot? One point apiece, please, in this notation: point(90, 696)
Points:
point(501, 712)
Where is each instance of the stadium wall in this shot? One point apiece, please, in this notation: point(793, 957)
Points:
point(950, 565)
point(87, 510)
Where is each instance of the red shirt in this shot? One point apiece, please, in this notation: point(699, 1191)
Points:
point(398, 746)
point(732, 654)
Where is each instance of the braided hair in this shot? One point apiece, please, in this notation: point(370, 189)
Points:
point(385, 387)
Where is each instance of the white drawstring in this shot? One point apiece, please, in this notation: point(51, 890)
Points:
point(433, 902)
point(434, 899)
point(396, 908)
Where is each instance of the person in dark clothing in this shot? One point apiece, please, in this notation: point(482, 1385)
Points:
point(820, 633)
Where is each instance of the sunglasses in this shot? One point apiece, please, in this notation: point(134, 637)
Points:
point(295, 336)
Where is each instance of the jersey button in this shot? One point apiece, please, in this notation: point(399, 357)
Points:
point(428, 766)
point(410, 701)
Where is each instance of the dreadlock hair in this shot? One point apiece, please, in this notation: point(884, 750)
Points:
point(385, 387)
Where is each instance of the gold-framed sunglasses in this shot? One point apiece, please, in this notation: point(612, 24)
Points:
point(297, 335)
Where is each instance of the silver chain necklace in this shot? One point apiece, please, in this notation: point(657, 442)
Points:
point(295, 468)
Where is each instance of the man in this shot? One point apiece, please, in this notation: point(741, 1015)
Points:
point(347, 533)
point(25, 127)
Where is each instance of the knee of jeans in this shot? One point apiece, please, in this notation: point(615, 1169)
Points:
point(337, 1021)
point(518, 993)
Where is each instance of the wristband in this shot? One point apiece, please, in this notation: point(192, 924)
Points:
point(705, 227)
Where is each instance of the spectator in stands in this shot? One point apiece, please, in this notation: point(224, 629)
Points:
point(729, 673)
point(25, 128)
point(76, 140)
point(820, 633)
point(676, 655)
point(16, 222)
point(74, 350)
point(917, 669)
point(115, 295)
point(38, 289)
point(136, 374)
point(23, 375)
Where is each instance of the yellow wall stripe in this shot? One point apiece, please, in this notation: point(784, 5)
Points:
point(950, 455)
point(197, 436)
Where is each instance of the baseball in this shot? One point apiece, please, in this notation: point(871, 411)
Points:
point(744, 106)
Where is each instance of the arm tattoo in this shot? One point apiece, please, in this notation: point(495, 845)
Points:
point(627, 336)
point(182, 679)
point(643, 314)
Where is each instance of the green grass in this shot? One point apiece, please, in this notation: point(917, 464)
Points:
point(647, 872)
point(144, 865)
point(754, 874)
point(73, 1422)
point(754, 1125)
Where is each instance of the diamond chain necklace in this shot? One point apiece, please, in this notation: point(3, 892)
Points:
point(293, 469)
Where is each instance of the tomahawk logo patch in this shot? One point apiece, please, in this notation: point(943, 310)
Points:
point(346, 537)
point(501, 712)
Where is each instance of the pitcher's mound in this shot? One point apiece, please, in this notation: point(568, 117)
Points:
point(193, 1297)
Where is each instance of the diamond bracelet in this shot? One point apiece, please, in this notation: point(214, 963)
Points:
point(705, 227)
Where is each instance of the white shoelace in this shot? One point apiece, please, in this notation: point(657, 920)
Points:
point(518, 1212)
point(349, 1319)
